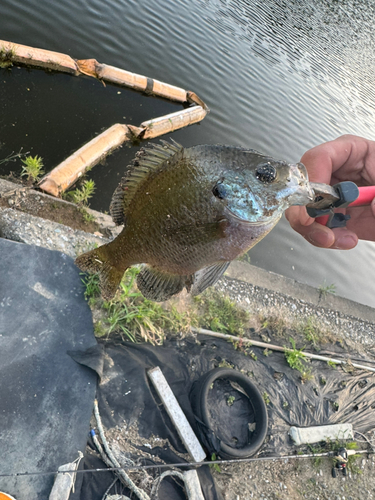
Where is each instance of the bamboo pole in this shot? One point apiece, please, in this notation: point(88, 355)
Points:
point(67, 172)
point(30, 56)
point(92, 67)
point(169, 123)
point(279, 348)
point(41, 58)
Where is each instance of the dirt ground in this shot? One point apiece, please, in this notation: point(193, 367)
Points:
point(285, 479)
point(296, 479)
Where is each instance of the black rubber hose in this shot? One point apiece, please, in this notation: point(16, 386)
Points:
point(199, 402)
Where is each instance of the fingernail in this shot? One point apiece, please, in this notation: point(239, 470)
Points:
point(321, 238)
point(345, 242)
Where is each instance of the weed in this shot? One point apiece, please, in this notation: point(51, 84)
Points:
point(297, 360)
point(6, 56)
point(266, 398)
point(220, 314)
point(87, 217)
point(267, 352)
point(278, 325)
point(325, 289)
point(91, 282)
point(244, 258)
point(312, 332)
point(316, 450)
point(215, 466)
point(82, 196)
point(295, 357)
point(332, 364)
point(230, 400)
point(225, 364)
point(132, 316)
point(253, 355)
point(13, 156)
point(32, 168)
point(99, 329)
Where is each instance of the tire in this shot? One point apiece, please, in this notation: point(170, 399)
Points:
point(199, 402)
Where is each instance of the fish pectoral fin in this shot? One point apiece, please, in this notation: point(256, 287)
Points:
point(208, 276)
point(206, 231)
point(159, 286)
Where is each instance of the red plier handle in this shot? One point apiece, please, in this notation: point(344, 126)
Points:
point(366, 195)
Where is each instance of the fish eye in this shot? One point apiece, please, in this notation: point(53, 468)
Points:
point(266, 173)
point(219, 191)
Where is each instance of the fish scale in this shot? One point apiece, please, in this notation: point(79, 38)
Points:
point(188, 212)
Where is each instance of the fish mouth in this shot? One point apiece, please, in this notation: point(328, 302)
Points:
point(302, 193)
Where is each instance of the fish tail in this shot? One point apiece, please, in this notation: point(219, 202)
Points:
point(98, 261)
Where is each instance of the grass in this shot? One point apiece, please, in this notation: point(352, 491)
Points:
point(313, 332)
point(130, 315)
point(81, 196)
point(266, 398)
point(6, 56)
point(91, 282)
point(219, 314)
point(133, 317)
point(297, 360)
point(230, 400)
point(32, 168)
point(325, 289)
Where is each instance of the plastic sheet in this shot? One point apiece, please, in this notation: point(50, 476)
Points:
point(46, 398)
point(126, 396)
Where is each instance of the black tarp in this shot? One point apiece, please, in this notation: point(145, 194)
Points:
point(46, 398)
point(126, 395)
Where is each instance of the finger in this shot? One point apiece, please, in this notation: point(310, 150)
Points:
point(344, 239)
point(314, 233)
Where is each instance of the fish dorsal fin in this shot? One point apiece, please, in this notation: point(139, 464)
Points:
point(147, 161)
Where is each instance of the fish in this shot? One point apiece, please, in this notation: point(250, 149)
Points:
point(188, 212)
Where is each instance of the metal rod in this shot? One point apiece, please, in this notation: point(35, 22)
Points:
point(225, 336)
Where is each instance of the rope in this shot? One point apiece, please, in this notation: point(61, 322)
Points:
point(112, 459)
point(157, 483)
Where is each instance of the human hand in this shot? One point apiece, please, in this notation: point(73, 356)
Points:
point(348, 158)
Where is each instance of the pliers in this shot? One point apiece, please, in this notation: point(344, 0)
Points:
point(341, 195)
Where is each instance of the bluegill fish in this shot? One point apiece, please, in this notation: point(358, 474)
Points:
point(187, 213)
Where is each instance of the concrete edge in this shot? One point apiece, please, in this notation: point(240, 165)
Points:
point(242, 271)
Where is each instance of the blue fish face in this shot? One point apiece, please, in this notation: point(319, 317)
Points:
point(259, 194)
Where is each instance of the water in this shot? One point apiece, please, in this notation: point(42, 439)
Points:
point(279, 77)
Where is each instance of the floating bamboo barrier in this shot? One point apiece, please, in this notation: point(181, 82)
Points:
point(66, 173)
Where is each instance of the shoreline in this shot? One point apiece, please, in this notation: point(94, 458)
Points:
point(250, 286)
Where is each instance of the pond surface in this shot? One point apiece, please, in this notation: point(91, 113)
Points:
point(279, 77)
